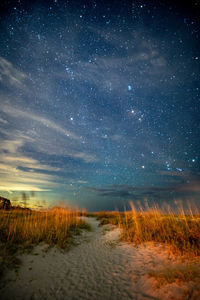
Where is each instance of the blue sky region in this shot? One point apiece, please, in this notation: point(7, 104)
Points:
point(99, 102)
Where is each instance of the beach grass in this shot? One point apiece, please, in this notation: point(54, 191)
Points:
point(176, 274)
point(22, 229)
point(180, 231)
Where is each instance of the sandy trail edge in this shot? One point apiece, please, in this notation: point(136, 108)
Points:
point(99, 267)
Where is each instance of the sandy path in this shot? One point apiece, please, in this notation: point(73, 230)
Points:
point(99, 267)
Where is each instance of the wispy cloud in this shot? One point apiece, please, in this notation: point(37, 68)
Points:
point(49, 129)
point(17, 113)
point(136, 55)
point(17, 180)
point(10, 75)
point(3, 121)
point(20, 172)
point(11, 187)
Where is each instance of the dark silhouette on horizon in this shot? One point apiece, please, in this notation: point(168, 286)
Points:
point(4, 203)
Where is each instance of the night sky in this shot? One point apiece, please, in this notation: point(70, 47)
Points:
point(99, 102)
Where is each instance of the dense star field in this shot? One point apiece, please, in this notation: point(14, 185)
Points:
point(99, 101)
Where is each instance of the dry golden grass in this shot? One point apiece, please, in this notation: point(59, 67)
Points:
point(21, 229)
point(176, 273)
point(180, 231)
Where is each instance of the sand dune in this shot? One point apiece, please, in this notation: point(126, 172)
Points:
point(98, 267)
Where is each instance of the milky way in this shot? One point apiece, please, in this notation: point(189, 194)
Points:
point(99, 101)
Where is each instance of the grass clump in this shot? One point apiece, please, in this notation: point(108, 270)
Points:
point(178, 273)
point(180, 231)
point(106, 217)
point(21, 229)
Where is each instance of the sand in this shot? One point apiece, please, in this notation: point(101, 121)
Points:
point(99, 266)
